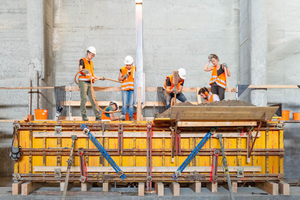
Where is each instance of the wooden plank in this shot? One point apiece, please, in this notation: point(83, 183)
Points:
point(213, 187)
point(141, 189)
point(105, 103)
point(269, 187)
point(26, 88)
point(196, 187)
point(159, 188)
point(86, 187)
point(139, 105)
point(284, 188)
point(233, 186)
point(106, 187)
point(16, 188)
point(175, 188)
point(217, 113)
point(218, 123)
point(28, 187)
point(114, 134)
point(274, 86)
point(62, 186)
point(144, 169)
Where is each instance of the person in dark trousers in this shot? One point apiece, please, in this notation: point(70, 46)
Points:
point(218, 77)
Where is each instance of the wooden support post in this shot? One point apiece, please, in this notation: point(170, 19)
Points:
point(141, 189)
point(86, 187)
point(284, 188)
point(233, 186)
point(159, 188)
point(198, 96)
point(213, 187)
point(175, 188)
point(62, 186)
point(16, 188)
point(269, 187)
point(139, 105)
point(196, 187)
point(28, 187)
point(106, 187)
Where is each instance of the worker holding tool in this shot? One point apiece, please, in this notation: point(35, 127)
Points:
point(218, 76)
point(208, 96)
point(86, 73)
point(113, 106)
point(170, 90)
point(126, 75)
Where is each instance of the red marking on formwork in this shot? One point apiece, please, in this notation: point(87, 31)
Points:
point(138, 146)
point(25, 145)
point(272, 169)
point(244, 179)
point(227, 145)
point(115, 145)
point(205, 163)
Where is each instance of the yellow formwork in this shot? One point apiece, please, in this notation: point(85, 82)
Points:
point(267, 154)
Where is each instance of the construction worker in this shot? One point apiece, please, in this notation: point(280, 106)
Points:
point(113, 106)
point(126, 75)
point(170, 90)
point(208, 96)
point(85, 85)
point(218, 77)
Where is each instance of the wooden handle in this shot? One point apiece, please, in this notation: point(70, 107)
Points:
point(228, 86)
point(107, 79)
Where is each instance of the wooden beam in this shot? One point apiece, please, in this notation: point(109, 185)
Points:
point(196, 187)
point(105, 103)
point(175, 188)
point(106, 187)
point(141, 189)
point(159, 188)
point(233, 186)
point(212, 186)
point(274, 86)
point(269, 187)
point(26, 88)
point(217, 123)
point(86, 187)
point(284, 188)
point(28, 187)
point(144, 169)
point(16, 188)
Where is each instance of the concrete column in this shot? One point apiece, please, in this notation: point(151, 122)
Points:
point(258, 49)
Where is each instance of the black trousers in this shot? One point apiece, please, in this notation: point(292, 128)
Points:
point(215, 89)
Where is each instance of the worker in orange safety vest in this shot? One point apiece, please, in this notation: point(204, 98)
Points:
point(113, 106)
point(208, 96)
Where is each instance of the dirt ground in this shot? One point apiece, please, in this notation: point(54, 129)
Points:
point(167, 113)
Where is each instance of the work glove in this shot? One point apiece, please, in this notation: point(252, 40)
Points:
point(126, 76)
point(210, 57)
point(122, 117)
point(225, 65)
point(175, 91)
point(101, 78)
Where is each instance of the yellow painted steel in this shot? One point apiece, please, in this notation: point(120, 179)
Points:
point(267, 140)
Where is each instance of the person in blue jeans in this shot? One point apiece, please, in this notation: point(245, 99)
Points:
point(126, 75)
point(170, 90)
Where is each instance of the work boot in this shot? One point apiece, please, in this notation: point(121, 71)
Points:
point(84, 118)
point(98, 119)
point(131, 119)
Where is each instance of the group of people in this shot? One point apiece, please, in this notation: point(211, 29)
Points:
point(126, 76)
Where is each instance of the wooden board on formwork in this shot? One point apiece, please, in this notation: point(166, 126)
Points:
point(219, 113)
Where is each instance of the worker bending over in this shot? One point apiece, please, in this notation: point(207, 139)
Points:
point(84, 83)
point(113, 106)
point(126, 75)
point(218, 77)
point(170, 90)
point(208, 96)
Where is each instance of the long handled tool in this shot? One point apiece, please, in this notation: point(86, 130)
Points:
point(225, 166)
point(70, 161)
point(227, 82)
point(104, 78)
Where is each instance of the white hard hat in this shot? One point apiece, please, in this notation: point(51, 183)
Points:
point(181, 73)
point(114, 102)
point(92, 49)
point(128, 60)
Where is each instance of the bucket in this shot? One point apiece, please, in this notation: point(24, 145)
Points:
point(41, 114)
point(285, 115)
point(296, 116)
point(127, 116)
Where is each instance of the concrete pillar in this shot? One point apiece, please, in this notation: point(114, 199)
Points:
point(258, 49)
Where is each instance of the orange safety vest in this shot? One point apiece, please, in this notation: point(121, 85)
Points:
point(172, 85)
point(211, 98)
point(87, 66)
point(104, 117)
point(220, 80)
point(128, 83)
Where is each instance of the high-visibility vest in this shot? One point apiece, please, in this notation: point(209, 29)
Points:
point(128, 83)
point(172, 85)
point(87, 66)
point(220, 80)
point(104, 117)
point(211, 98)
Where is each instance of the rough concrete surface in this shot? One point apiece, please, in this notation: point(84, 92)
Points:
point(176, 34)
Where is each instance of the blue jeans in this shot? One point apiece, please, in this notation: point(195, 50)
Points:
point(127, 98)
point(169, 96)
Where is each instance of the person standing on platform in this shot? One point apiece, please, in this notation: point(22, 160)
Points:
point(218, 77)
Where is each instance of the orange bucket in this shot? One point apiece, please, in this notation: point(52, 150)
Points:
point(285, 115)
point(41, 114)
point(296, 116)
